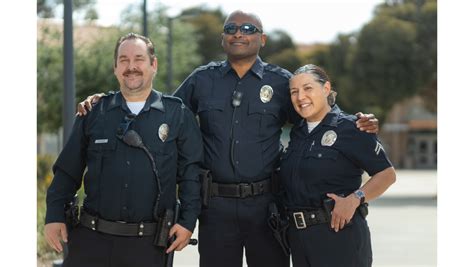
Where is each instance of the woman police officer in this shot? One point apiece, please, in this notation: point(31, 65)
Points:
point(321, 174)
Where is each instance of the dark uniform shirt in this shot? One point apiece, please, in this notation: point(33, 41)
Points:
point(313, 165)
point(241, 144)
point(119, 183)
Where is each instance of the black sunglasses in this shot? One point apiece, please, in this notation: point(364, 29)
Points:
point(125, 124)
point(246, 28)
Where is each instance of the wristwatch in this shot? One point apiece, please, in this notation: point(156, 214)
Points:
point(360, 195)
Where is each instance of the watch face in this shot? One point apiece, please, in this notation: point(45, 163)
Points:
point(359, 194)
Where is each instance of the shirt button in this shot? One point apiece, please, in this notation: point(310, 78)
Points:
point(128, 162)
point(125, 185)
point(236, 121)
point(124, 207)
point(320, 155)
point(237, 162)
point(236, 141)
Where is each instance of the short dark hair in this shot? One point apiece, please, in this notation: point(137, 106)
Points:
point(133, 36)
point(320, 76)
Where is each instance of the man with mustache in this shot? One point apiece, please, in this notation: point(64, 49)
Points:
point(137, 145)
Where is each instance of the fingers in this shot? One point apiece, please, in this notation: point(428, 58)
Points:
point(173, 246)
point(368, 123)
point(64, 233)
point(88, 105)
point(173, 231)
point(182, 238)
point(333, 196)
point(180, 243)
point(96, 98)
point(81, 110)
point(338, 222)
point(53, 234)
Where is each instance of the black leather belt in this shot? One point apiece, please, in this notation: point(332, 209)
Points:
point(303, 219)
point(242, 190)
point(117, 228)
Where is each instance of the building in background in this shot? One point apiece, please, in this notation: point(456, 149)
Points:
point(409, 135)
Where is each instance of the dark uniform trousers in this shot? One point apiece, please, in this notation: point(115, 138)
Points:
point(88, 248)
point(229, 224)
point(319, 246)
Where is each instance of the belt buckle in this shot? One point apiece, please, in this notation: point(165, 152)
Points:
point(245, 190)
point(299, 220)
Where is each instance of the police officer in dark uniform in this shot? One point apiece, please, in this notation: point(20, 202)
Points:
point(321, 173)
point(242, 104)
point(137, 145)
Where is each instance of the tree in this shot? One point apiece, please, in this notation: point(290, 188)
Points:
point(49, 79)
point(208, 29)
point(277, 41)
point(85, 9)
point(384, 69)
point(287, 59)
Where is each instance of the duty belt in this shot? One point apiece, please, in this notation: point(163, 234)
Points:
point(242, 190)
point(303, 219)
point(118, 228)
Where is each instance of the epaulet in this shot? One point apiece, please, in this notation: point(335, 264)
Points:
point(349, 118)
point(174, 98)
point(181, 104)
point(210, 66)
point(105, 99)
point(277, 70)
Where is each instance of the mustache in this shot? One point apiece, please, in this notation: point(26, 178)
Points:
point(128, 72)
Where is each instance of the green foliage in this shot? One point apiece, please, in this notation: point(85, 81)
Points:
point(287, 59)
point(49, 79)
point(207, 29)
point(277, 41)
point(384, 67)
point(44, 164)
point(94, 65)
point(83, 8)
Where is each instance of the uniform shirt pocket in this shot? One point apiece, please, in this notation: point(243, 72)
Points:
point(211, 114)
point(263, 117)
point(318, 164)
point(99, 154)
point(322, 154)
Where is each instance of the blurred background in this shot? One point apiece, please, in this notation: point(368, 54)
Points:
point(381, 57)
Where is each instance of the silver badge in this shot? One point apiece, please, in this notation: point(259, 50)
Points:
point(163, 131)
point(266, 93)
point(329, 138)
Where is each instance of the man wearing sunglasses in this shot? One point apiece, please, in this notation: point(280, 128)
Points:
point(137, 145)
point(242, 104)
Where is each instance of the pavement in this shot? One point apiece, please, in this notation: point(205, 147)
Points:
point(402, 224)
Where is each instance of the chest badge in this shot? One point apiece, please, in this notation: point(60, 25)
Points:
point(163, 132)
point(266, 93)
point(329, 138)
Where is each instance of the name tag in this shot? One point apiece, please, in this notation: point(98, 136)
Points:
point(101, 141)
